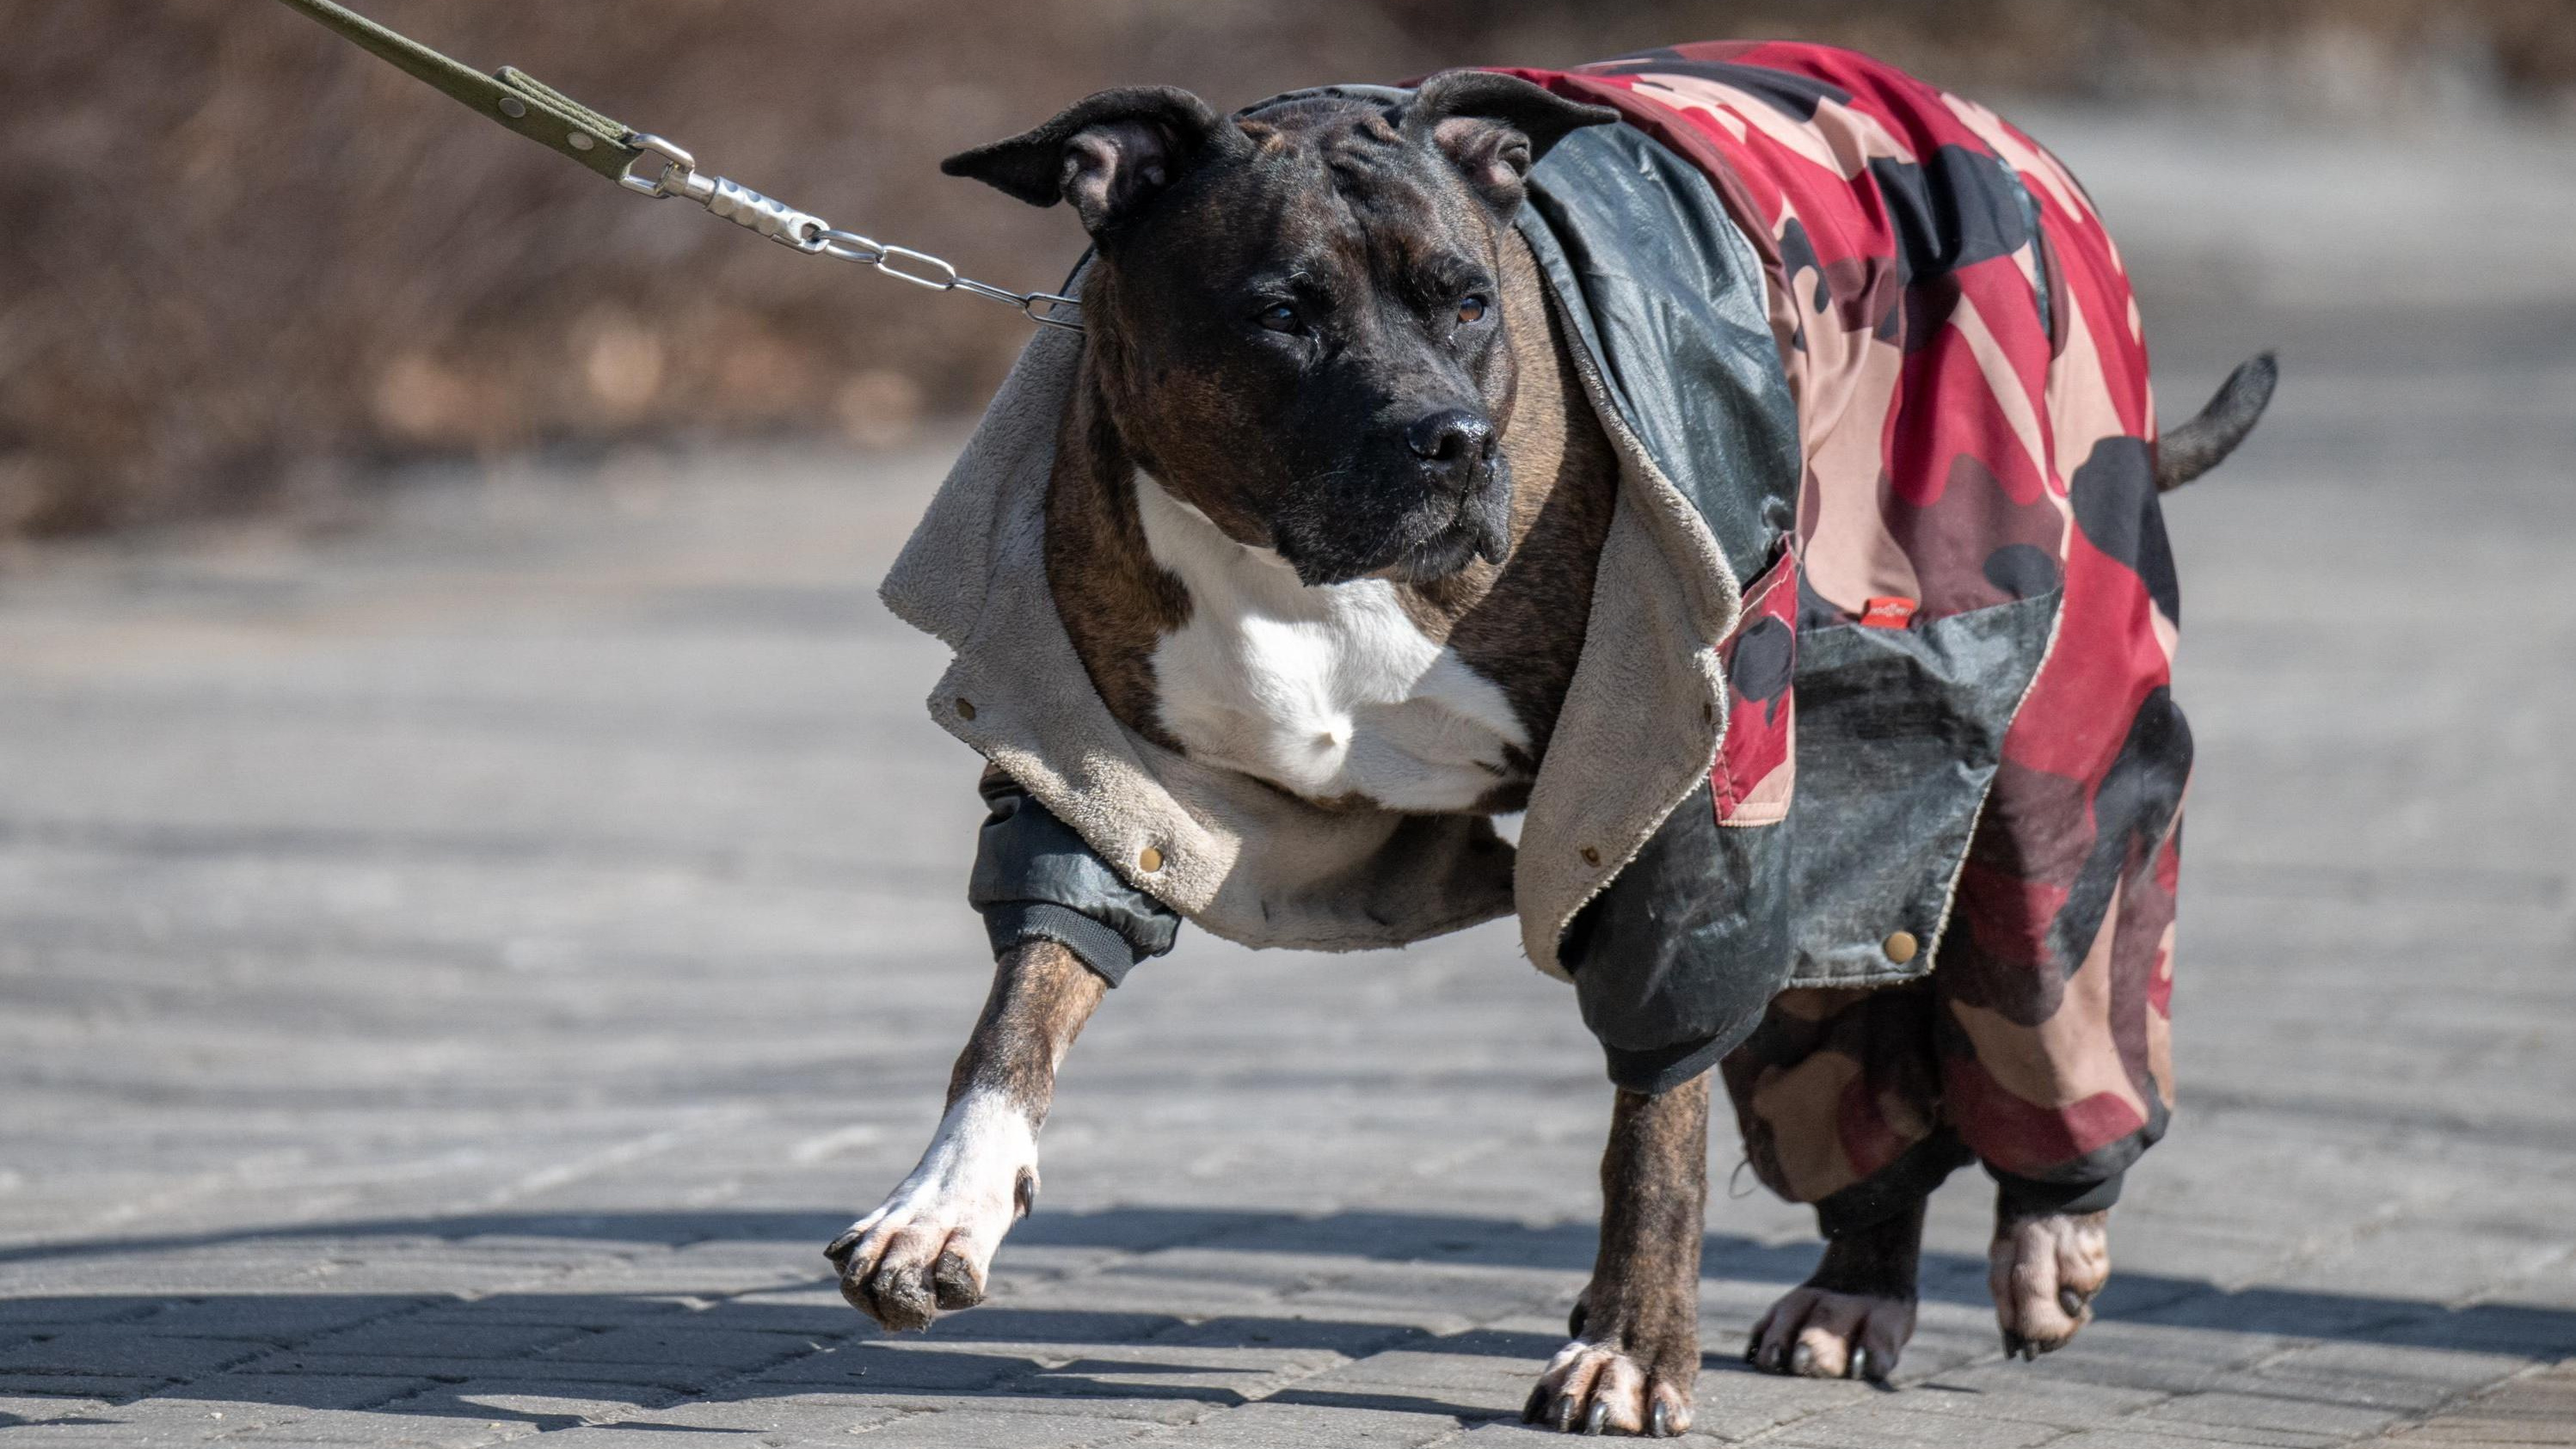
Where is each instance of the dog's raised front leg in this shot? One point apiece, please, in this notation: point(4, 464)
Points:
point(930, 1244)
point(1853, 1315)
point(1635, 1352)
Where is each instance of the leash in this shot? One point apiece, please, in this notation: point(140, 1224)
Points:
point(650, 166)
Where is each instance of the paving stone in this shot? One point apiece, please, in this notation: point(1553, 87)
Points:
point(2537, 1409)
point(1291, 1421)
point(112, 1388)
point(2163, 1436)
point(771, 1423)
point(879, 1368)
point(1733, 1402)
point(543, 1403)
point(2284, 1413)
point(40, 1313)
point(1884, 1424)
point(981, 1429)
point(18, 1410)
point(704, 1350)
point(126, 1350)
point(456, 1336)
point(1182, 1407)
point(2026, 1391)
point(279, 1316)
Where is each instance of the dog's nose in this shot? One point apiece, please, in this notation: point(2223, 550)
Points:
point(1449, 440)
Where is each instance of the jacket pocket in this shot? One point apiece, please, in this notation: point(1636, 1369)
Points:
point(1903, 733)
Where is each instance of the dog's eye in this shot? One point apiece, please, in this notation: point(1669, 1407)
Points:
point(1471, 308)
point(1280, 317)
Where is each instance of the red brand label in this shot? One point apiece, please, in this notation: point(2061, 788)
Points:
point(1888, 613)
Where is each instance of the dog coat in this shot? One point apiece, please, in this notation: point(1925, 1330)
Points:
point(1886, 574)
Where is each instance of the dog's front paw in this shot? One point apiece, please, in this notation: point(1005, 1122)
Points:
point(1606, 1388)
point(1820, 1334)
point(930, 1246)
point(2044, 1272)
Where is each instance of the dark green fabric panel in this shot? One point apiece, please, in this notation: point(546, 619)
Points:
point(545, 115)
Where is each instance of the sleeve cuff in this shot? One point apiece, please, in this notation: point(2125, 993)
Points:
point(2024, 1197)
point(1015, 923)
point(1654, 1072)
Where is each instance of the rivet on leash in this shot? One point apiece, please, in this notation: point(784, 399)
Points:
point(513, 107)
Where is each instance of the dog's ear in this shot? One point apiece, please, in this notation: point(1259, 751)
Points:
point(1494, 127)
point(1108, 153)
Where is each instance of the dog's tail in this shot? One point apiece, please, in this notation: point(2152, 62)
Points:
point(2204, 442)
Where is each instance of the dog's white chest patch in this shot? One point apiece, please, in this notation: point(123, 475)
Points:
point(1327, 692)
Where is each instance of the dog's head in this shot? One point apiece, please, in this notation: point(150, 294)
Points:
point(1296, 314)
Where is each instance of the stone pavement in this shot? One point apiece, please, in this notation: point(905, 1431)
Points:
point(457, 970)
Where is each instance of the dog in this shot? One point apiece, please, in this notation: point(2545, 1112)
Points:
point(1333, 500)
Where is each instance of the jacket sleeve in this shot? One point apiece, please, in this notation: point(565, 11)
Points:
point(1675, 963)
point(1037, 879)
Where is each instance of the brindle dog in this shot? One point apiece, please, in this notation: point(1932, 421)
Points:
point(1324, 374)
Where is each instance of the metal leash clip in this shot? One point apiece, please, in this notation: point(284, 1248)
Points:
point(808, 233)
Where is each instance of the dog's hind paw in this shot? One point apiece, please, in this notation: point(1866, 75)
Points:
point(1854, 1314)
point(1595, 1388)
point(2044, 1272)
point(1820, 1334)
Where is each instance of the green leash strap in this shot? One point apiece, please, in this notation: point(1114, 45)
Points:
point(557, 122)
point(511, 96)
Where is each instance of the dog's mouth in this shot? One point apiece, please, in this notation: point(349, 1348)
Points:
point(1474, 532)
point(1433, 539)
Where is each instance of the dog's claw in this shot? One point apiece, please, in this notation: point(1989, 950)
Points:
point(1859, 1367)
point(1659, 1420)
point(2071, 1301)
point(1535, 1407)
point(1599, 1418)
point(904, 1304)
point(1563, 1418)
point(952, 1282)
point(1801, 1359)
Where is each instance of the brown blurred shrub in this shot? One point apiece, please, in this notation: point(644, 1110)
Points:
point(231, 245)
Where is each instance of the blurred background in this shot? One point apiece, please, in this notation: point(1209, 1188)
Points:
point(241, 258)
point(481, 903)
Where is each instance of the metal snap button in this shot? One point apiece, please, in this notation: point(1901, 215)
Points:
point(965, 708)
point(1150, 861)
point(1901, 947)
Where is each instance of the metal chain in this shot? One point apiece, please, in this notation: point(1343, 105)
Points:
point(813, 235)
